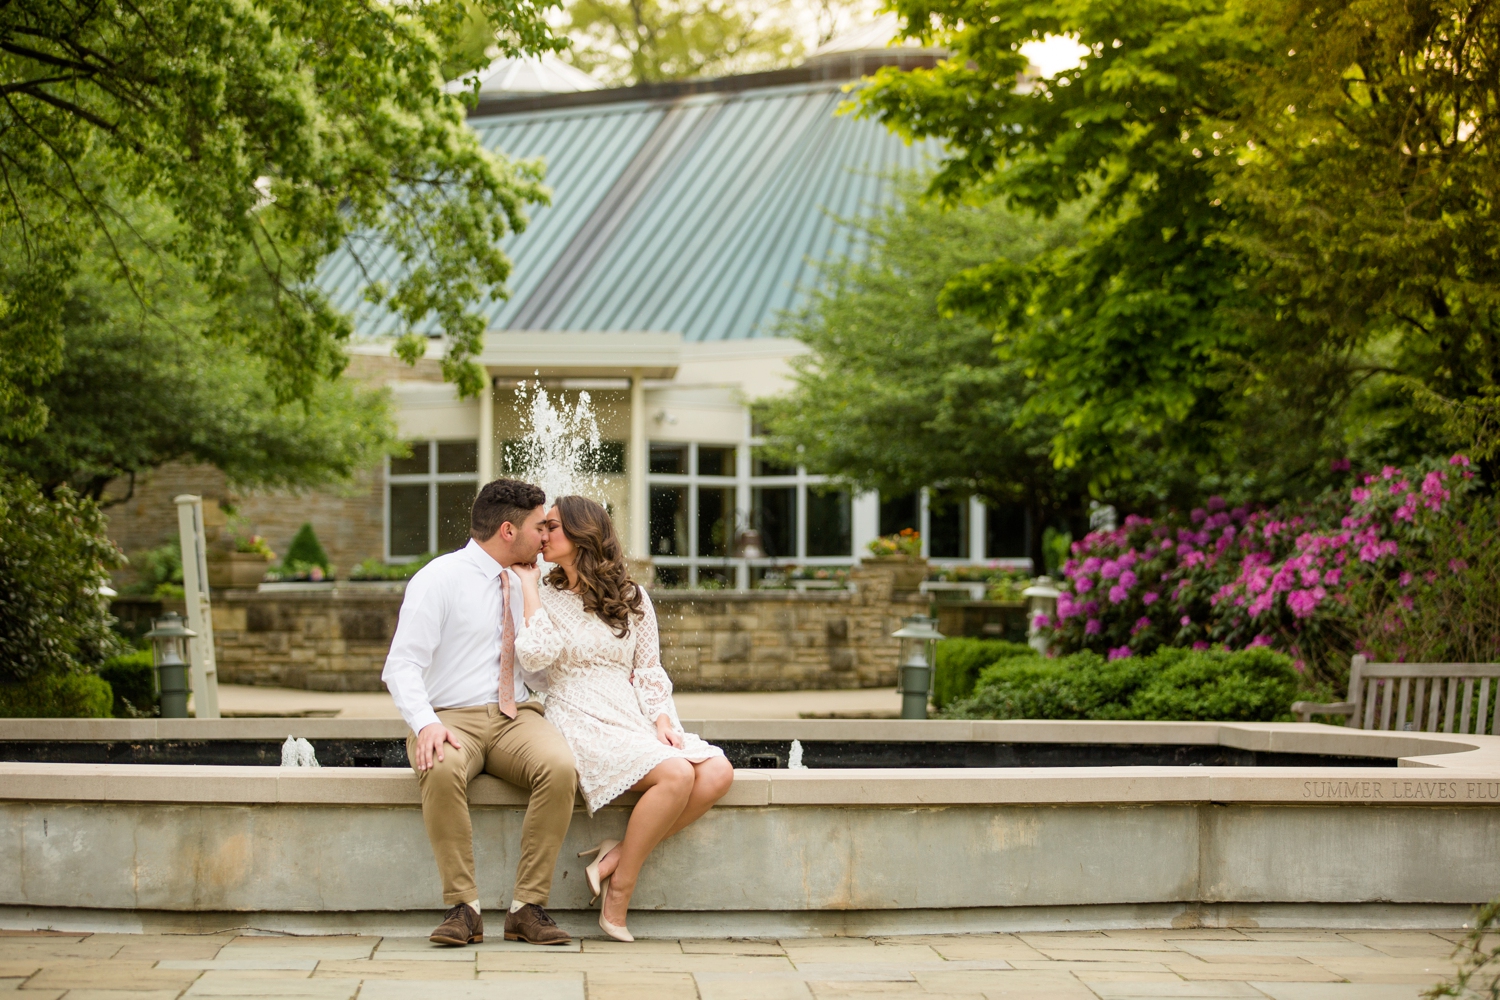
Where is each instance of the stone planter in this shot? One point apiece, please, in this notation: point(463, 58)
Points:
point(907, 573)
point(236, 569)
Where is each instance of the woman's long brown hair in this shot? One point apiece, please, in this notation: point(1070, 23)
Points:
point(606, 587)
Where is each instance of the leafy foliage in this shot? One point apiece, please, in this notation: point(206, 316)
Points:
point(57, 696)
point(305, 557)
point(132, 682)
point(896, 393)
point(272, 132)
point(1255, 685)
point(1478, 974)
point(960, 660)
point(649, 41)
point(1288, 248)
point(54, 556)
point(139, 387)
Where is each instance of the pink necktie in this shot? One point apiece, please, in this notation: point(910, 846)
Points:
point(507, 650)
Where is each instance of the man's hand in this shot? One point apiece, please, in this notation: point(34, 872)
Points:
point(430, 743)
point(666, 733)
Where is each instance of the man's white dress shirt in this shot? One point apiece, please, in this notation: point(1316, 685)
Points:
point(446, 651)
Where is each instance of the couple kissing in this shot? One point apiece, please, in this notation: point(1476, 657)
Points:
point(553, 684)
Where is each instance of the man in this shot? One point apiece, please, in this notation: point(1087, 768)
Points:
point(455, 648)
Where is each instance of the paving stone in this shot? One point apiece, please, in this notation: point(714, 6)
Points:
point(834, 990)
point(25, 949)
point(19, 970)
point(148, 946)
point(1281, 946)
point(1179, 934)
point(372, 969)
point(624, 962)
point(68, 975)
point(1292, 970)
point(641, 986)
point(289, 963)
point(282, 989)
point(1009, 949)
point(8, 983)
point(605, 946)
point(1339, 991)
point(491, 988)
point(1142, 957)
point(732, 946)
point(1089, 968)
point(884, 955)
point(1390, 970)
point(319, 948)
point(119, 994)
point(713, 987)
point(1017, 983)
point(1163, 991)
point(827, 942)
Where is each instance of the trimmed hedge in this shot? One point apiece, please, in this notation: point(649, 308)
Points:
point(132, 678)
point(959, 662)
point(57, 696)
point(1251, 685)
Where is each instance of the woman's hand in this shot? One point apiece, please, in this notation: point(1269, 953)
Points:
point(666, 733)
point(530, 575)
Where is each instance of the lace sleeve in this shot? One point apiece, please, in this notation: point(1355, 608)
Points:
point(653, 688)
point(538, 643)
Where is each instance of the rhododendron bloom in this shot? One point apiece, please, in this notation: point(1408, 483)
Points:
point(1118, 593)
point(1141, 624)
point(1260, 640)
point(1457, 565)
point(1304, 602)
point(1092, 627)
point(1405, 578)
point(1200, 644)
point(1042, 621)
point(1128, 579)
point(1359, 494)
point(1083, 585)
point(1120, 653)
point(1459, 460)
point(1150, 597)
point(1110, 569)
point(1185, 621)
point(1390, 471)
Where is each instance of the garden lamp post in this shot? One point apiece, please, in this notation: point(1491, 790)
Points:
point(1043, 597)
point(168, 643)
point(919, 638)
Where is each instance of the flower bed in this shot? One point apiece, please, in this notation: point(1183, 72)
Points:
point(1402, 565)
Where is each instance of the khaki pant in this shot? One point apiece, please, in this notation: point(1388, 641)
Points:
point(526, 751)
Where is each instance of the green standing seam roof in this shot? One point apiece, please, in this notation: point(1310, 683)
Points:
point(704, 216)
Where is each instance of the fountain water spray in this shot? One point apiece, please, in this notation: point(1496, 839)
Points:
point(560, 449)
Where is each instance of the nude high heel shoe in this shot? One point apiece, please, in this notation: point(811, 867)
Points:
point(591, 873)
point(618, 933)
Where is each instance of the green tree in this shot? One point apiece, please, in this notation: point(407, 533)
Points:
point(141, 386)
point(897, 393)
point(1290, 228)
point(648, 41)
point(274, 132)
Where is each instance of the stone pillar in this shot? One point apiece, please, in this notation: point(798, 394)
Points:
point(487, 430)
point(638, 544)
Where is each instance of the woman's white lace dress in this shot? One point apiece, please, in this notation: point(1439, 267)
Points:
point(604, 693)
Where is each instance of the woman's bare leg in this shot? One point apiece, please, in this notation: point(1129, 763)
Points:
point(665, 790)
point(711, 779)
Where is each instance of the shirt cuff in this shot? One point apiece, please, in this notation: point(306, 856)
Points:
point(423, 719)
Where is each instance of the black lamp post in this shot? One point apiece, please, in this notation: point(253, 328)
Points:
point(168, 645)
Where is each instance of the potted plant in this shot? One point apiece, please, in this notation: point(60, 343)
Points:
point(902, 552)
point(242, 565)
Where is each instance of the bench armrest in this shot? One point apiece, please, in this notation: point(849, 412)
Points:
point(1305, 710)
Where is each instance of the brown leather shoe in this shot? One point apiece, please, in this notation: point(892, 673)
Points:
point(461, 926)
point(532, 924)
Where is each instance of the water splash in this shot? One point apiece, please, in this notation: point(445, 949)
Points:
point(560, 449)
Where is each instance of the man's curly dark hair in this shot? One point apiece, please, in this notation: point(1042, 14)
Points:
point(500, 501)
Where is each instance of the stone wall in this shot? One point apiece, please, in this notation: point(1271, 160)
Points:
point(334, 637)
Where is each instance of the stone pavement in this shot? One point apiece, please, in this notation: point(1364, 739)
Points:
point(1111, 965)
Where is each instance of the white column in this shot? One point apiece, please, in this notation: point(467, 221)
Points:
point(487, 430)
point(636, 462)
point(743, 519)
point(201, 665)
point(924, 523)
point(977, 529)
point(866, 522)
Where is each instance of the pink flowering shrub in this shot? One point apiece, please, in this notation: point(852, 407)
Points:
point(1351, 570)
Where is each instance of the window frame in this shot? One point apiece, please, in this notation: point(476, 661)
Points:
point(432, 479)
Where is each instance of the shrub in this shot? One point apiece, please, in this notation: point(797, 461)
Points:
point(132, 678)
point(54, 556)
point(305, 558)
point(959, 662)
point(375, 568)
point(57, 696)
point(158, 571)
point(1255, 685)
point(1318, 580)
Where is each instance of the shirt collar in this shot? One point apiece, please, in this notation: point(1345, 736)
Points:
point(483, 560)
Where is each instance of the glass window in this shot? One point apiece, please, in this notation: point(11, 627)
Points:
point(1006, 533)
point(610, 457)
point(947, 526)
point(669, 459)
point(830, 529)
point(774, 514)
point(899, 512)
point(409, 519)
point(760, 465)
point(414, 466)
point(457, 456)
point(715, 520)
point(669, 521)
point(455, 503)
point(715, 461)
point(671, 576)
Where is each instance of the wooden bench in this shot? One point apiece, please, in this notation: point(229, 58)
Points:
point(1416, 697)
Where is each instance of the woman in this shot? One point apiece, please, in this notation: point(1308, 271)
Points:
point(594, 632)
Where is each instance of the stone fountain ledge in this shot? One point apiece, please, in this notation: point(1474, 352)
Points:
point(845, 851)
